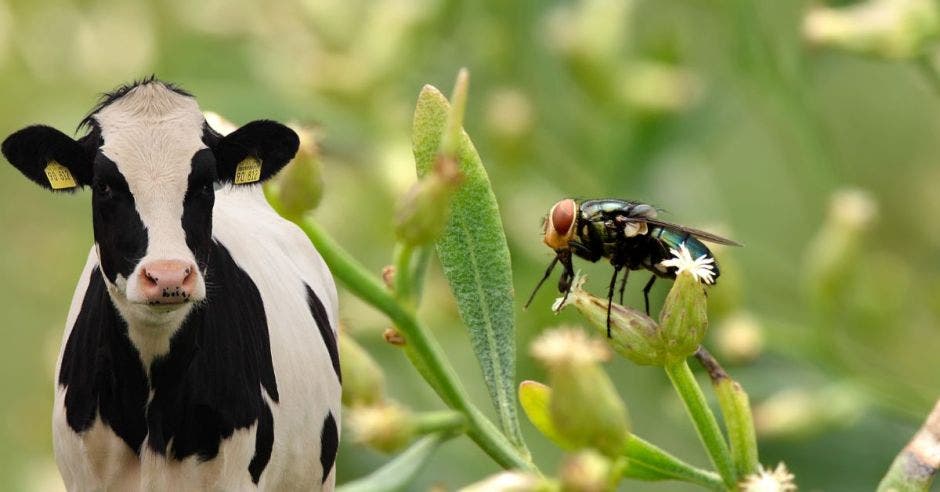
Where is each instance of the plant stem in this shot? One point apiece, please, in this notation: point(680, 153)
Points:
point(404, 253)
point(650, 457)
point(417, 276)
point(736, 410)
point(914, 468)
point(434, 422)
point(705, 423)
point(420, 347)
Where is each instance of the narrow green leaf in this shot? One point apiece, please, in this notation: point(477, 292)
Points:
point(398, 473)
point(475, 258)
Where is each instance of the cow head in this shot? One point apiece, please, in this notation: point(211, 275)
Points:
point(153, 164)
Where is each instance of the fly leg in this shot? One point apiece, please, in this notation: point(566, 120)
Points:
point(623, 283)
point(567, 276)
point(646, 293)
point(548, 271)
point(610, 296)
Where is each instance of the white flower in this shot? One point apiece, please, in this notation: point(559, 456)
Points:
point(702, 268)
point(777, 480)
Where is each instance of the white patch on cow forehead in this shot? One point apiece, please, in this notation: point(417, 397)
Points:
point(151, 131)
point(151, 134)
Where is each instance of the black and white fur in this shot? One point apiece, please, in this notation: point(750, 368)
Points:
point(236, 388)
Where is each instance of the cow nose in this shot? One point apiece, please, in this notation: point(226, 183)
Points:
point(167, 281)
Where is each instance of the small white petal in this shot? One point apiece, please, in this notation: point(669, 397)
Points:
point(702, 268)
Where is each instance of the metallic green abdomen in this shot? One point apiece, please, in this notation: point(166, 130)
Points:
point(673, 239)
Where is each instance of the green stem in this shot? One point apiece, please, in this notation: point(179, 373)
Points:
point(420, 347)
point(736, 411)
point(404, 253)
point(914, 468)
point(705, 423)
point(647, 457)
point(420, 267)
point(434, 422)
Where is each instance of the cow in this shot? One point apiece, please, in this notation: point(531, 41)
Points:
point(200, 350)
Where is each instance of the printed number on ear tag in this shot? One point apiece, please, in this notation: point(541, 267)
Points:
point(248, 171)
point(59, 176)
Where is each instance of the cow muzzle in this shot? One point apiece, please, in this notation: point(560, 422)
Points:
point(167, 281)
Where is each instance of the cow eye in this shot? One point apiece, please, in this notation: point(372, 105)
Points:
point(104, 190)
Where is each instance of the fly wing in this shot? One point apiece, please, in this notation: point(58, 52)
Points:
point(705, 236)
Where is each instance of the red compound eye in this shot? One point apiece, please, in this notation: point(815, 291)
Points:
point(563, 216)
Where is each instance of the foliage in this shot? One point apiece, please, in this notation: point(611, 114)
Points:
point(735, 116)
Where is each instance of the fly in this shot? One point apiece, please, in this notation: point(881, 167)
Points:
point(625, 232)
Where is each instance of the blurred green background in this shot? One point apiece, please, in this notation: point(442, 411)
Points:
point(736, 116)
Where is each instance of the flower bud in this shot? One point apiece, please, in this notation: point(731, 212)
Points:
point(832, 256)
point(512, 481)
point(299, 187)
point(658, 88)
point(386, 427)
point(394, 337)
point(363, 380)
point(509, 114)
point(633, 334)
point(799, 413)
point(586, 471)
point(423, 212)
point(683, 318)
point(894, 29)
point(740, 338)
point(535, 399)
point(777, 480)
point(585, 408)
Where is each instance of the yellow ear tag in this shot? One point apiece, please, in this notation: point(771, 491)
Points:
point(59, 176)
point(248, 171)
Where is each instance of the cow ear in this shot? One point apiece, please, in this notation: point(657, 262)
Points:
point(49, 157)
point(255, 152)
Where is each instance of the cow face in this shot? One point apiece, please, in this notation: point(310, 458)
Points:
point(152, 163)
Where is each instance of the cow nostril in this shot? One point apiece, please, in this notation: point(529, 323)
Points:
point(189, 276)
point(152, 279)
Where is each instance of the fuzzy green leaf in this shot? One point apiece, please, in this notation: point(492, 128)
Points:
point(475, 257)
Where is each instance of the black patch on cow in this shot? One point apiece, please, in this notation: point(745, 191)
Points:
point(329, 441)
point(109, 98)
point(119, 231)
point(102, 370)
point(326, 331)
point(264, 442)
point(272, 143)
point(31, 149)
point(209, 384)
point(210, 137)
point(197, 206)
